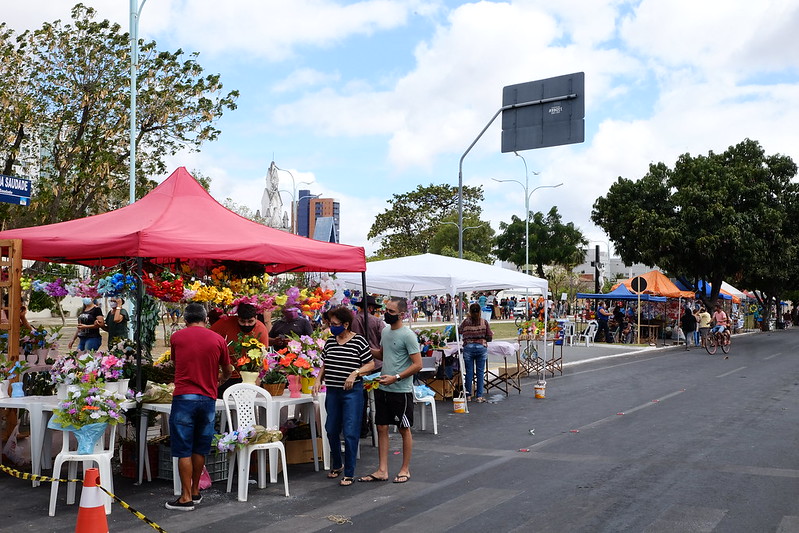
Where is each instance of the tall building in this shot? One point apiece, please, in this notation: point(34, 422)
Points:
point(318, 218)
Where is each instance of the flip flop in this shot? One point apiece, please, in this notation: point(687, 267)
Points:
point(371, 478)
point(401, 478)
point(346, 481)
point(335, 472)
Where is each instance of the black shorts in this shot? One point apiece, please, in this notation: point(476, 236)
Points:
point(393, 408)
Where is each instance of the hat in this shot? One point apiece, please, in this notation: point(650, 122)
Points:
point(370, 300)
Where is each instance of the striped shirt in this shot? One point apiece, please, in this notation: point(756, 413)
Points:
point(341, 359)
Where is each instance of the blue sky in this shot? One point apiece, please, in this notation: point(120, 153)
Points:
point(372, 98)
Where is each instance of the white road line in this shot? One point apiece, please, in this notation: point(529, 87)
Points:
point(725, 374)
point(772, 356)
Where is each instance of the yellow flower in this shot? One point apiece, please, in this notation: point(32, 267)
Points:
point(281, 299)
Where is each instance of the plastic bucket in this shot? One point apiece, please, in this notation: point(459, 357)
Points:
point(459, 404)
point(540, 390)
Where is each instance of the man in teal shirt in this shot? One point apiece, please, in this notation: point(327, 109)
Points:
point(399, 351)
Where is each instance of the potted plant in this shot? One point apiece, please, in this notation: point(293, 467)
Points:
point(273, 380)
point(248, 357)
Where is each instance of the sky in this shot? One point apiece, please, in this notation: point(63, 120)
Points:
point(372, 98)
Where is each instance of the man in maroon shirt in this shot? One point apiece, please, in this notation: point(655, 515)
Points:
point(202, 363)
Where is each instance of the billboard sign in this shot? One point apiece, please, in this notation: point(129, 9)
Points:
point(15, 190)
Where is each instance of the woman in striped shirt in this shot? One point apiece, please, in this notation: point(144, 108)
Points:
point(345, 358)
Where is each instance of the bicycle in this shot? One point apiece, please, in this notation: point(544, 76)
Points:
point(719, 338)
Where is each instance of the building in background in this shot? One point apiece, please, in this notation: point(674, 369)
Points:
point(318, 218)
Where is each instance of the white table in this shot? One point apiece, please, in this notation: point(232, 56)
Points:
point(40, 408)
point(278, 403)
point(503, 348)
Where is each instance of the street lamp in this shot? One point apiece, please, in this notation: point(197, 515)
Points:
point(293, 196)
point(135, 13)
point(527, 196)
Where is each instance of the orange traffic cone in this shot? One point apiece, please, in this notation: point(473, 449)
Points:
point(91, 514)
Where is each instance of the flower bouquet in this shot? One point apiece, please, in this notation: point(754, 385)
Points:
point(237, 439)
point(10, 369)
point(430, 339)
point(86, 412)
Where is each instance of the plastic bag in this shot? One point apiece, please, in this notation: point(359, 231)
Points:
point(205, 480)
point(158, 393)
point(422, 391)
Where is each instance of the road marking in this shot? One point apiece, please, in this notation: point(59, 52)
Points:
point(772, 356)
point(725, 374)
point(442, 518)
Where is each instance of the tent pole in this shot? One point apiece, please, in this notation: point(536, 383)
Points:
point(137, 333)
point(365, 308)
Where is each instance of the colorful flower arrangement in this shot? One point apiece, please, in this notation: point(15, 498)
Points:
point(88, 367)
point(9, 369)
point(247, 353)
point(306, 301)
point(166, 286)
point(294, 364)
point(38, 338)
point(89, 404)
point(116, 284)
point(430, 339)
point(54, 289)
point(261, 302)
point(236, 439)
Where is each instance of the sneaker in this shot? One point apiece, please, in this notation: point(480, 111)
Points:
point(178, 506)
point(196, 499)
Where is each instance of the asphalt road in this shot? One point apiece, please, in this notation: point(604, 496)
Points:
point(657, 440)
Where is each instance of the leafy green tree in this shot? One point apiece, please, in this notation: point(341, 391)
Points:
point(717, 217)
point(407, 226)
point(551, 242)
point(478, 236)
point(68, 85)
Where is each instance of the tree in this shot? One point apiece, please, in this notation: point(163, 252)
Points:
point(69, 89)
point(478, 236)
point(411, 220)
point(551, 242)
point(714, 218)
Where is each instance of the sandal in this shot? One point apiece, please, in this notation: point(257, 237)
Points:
point(480, 400)
point(346, 481)
point(335, 472)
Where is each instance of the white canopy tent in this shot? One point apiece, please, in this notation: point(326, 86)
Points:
point(425, 274)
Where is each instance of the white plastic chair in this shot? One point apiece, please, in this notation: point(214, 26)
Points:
point(587, 336)
point(431, 401)
point(244, 396)
point(102, 457)
point(568, 333)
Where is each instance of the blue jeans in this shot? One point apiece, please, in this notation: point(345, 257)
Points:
point(90, 344)
point(344, 411)
point(191, 424)
point(475, 355)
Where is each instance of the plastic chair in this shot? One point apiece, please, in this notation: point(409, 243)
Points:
point(431, 401)
point(568, 333)
point(587, 336)
point(244, 396)
point(102, 457)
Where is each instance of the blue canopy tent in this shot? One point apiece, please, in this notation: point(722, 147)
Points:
point(621, 293)
point(704, 289)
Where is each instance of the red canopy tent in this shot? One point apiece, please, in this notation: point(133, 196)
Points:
point(180, 220)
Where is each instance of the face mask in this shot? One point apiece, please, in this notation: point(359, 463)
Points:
point(391, 319)
point(337, 330)
point(246, 329)
point(87, 301)
point(113, 305)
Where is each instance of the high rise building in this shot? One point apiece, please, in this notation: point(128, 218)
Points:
point(318, 218)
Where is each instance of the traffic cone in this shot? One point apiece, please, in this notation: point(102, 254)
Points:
point(91, 514)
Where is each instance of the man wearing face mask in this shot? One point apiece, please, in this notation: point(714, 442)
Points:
point(244, 321)
point(116, 322)
point(291, 322)
point(88, 332)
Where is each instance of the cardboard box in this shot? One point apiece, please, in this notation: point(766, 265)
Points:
point(301, 451)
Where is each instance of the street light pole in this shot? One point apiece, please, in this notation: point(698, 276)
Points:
point(527, 196)
point(135, 13)
point(294, 224)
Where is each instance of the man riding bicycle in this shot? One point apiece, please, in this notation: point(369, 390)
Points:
point(720, 320)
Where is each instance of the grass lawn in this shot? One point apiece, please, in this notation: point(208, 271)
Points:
point(502, 330)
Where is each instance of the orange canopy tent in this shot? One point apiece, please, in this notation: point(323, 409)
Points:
point(659, 285)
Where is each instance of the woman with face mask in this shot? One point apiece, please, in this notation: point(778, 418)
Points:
point(116, 321)
point(346, 357)
point(88, 333)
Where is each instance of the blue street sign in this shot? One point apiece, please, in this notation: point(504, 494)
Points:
point(15, 190)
